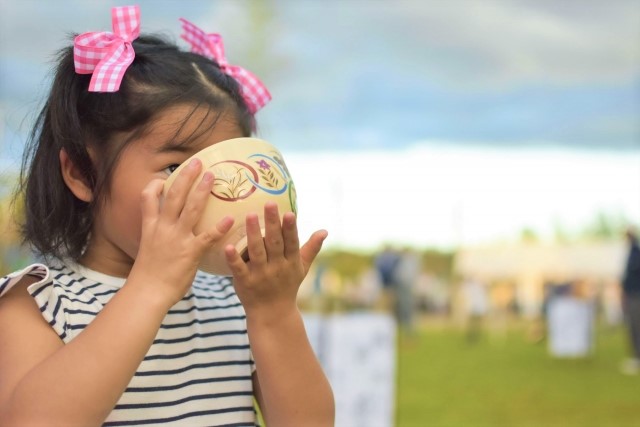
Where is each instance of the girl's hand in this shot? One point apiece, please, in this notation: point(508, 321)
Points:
point(268, 283)
point(170, 251)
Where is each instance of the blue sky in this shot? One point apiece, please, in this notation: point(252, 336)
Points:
point(360, 74)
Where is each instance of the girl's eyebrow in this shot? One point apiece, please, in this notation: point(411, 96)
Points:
point(174, 146)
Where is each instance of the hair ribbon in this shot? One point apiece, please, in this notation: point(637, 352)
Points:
point(107, 55)
point(254, 91)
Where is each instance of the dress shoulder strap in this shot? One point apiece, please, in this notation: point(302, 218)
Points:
point(40, 271)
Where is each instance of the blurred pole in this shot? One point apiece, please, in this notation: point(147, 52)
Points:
point(261, 15)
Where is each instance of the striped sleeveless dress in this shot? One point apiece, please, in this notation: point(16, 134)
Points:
point(198, 370)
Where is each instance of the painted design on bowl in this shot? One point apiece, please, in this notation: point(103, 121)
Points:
point(231, 180)
point(293, 198)
point(237, 180)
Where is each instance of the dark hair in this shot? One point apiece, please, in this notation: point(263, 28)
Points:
point(56, 223)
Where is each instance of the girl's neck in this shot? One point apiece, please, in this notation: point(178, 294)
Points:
point(109, 262)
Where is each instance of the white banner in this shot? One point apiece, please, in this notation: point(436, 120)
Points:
point(358, 354)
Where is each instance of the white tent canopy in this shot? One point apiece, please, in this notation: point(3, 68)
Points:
point(603, 261)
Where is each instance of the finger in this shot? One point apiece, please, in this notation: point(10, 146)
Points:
point(150, 199)
point(290, 234)
point(177, 194)
point(235, 262)
point(310, 250)
point(273, 240)
point(209, 237)
point(255, 242)
point(196, 201)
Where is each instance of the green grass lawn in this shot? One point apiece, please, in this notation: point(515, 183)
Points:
point(444, 381)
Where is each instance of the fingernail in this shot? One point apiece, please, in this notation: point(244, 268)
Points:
point(207, 177)
point(289, 218)
point(194, 163)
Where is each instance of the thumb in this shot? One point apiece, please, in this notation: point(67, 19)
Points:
point(311, 249)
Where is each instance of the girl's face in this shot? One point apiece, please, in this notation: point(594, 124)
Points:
point(115, 237)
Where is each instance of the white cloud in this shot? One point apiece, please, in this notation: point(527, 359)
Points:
point(437, 196)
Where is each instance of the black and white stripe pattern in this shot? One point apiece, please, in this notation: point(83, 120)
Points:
point(198, 370)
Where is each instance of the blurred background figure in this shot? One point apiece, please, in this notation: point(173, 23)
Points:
point(385, 264)
point(476, 303)
point(631, 303)
point(405, 276)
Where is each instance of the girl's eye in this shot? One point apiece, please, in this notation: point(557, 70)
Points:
point(170, 169)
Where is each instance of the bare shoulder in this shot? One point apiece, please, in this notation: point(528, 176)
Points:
point(25, 337)
point(18, 296)
point(17, 301)
point(21, 317)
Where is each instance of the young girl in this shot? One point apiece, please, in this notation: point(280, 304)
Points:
point(120, 328)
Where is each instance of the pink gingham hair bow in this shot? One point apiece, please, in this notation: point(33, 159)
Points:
point(108, 55)
point(254, 91)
